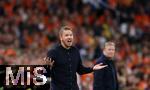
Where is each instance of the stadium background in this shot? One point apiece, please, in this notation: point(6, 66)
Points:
point(28, 28)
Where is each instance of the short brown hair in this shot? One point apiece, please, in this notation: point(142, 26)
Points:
point(64, 28)
point(109, 43)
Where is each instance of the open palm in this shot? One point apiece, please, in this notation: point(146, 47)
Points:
point(99, 66)
point(49, 61)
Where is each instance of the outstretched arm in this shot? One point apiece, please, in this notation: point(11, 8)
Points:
point(99, 66)
point(83, 70)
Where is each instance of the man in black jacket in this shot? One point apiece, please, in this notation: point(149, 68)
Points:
point(67, 62)
point(106, 79)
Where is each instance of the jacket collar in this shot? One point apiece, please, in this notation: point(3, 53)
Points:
point(64, 48)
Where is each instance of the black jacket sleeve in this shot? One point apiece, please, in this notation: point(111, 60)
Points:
point(82, 69)
point(51, 54)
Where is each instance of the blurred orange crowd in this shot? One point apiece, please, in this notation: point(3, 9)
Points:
point(28, 28)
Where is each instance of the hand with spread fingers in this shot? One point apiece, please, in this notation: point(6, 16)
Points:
point(49, 61)
point(99, 66)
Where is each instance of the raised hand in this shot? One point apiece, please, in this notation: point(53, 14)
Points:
point(49, 61)
point(99, 66)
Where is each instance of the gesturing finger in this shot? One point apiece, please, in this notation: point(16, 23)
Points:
point(52, 62)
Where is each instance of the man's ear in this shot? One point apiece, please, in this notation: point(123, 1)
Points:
point(59, 36)
point(104, 52)
point(103, 49)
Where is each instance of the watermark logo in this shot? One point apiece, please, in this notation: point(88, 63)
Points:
point(24, 75)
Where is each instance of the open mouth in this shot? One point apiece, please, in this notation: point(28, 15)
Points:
point(69, 41)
